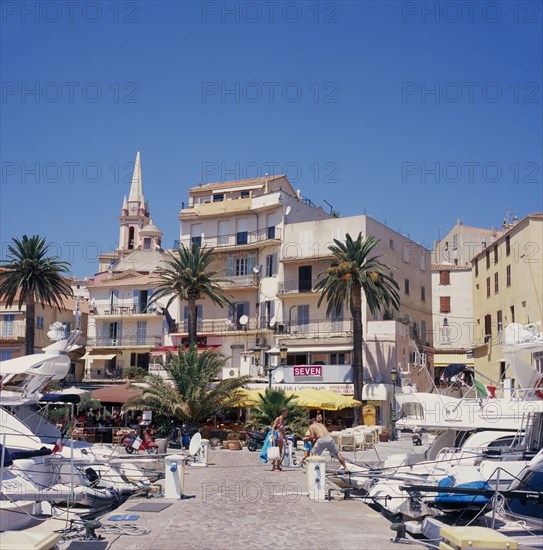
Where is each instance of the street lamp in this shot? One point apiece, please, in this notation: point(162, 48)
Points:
point(257, 354)
point(394, 378)
point(278, 357)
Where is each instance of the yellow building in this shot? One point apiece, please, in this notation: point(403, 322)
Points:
point(507, 281)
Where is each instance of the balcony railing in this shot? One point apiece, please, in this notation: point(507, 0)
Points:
point(125, 341)
point(297, 287)
point(236, 239)
point(317, 328)
point(124, 310)
point(218, 326)
point(241, 281)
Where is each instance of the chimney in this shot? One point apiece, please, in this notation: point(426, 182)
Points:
point(494, 232)
point(515, 220)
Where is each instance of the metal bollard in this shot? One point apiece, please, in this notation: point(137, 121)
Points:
point(174, 478)
point(316, 478)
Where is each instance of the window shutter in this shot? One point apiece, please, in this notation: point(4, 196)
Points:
point(274, 264)
point(230, 266)
point(136, 297)
point(444, 304)
point(250, 264)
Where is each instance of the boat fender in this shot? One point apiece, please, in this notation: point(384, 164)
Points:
point(539, 387)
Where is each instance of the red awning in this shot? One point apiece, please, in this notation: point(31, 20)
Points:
point(119, 393)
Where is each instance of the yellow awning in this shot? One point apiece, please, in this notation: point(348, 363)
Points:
point(246, 398)
point(105, 356)
point(324, 399)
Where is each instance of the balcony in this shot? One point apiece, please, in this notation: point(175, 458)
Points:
point(236, 240)
point(125, 342)
point(124, 310)
point(218, 326)
point(318, 328)
point(241, 281)
point(297, 287)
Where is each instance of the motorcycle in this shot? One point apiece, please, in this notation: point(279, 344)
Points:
point(132, 442)
point(255, 440)
point(416, 437)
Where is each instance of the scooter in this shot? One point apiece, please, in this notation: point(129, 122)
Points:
point(133, 442)
point(255, 439)
point(416, 437)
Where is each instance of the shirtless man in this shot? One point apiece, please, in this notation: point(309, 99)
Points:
point(323, 440)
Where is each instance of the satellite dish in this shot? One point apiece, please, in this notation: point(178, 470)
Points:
point(194, 445)
point(243, 320)
point(273, 320)
point(278, 376)
point(378, 378)
point(287, 210)
point(256, 269)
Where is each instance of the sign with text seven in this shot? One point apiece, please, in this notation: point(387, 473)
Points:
point(307, 371)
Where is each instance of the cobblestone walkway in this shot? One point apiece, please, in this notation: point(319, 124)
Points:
point(238, 502)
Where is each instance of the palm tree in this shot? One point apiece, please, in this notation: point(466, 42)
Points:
point(31, 276)
point(187, 394)
point(272, 402)
point(355, 273)
point(190, 279)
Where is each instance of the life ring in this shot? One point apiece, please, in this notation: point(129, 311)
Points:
point(539, 384)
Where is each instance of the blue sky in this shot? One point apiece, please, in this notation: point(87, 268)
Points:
point(359, 102)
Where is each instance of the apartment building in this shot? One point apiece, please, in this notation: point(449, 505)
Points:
point(507, 288)
point(452, 297)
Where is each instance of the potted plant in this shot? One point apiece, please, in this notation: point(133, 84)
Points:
point(384, 436)
point(234, 444)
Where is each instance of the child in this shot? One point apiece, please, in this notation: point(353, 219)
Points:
point(308, 445)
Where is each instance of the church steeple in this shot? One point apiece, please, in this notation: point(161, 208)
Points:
point(135, 212)
point(136, 189)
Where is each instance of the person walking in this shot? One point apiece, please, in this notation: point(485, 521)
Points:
point(279, 437)
point(323, 441)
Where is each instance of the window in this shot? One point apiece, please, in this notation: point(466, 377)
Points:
point(423, 294)
point(499, 318)
point(141, 333)
point(147, 243)
point(406, 253)
point(241, 266)
point(267, 312)
point(487, 257)
point(219, 197)
point(5, 355)
point(224, 230)
point(237, 310)
point(508, 275)
point(391, 244)
point(488, 328)
point(196, 231)
point(337, 358)
point(444, 277)
point(305, 281)
point(423, 260)
point(271, 232)
point(406, 287)
point(242, 237)
point(444, 304)
point(8, 325)
point(488, 287)
point(512, 310)
point(496, 283)
point(445, 332)
point(67, 328)
point(39, 321)
point(476, 264)
point(244, 194)
point(423, 331)
point(495, 253)
point(197, 241)
point(271, 265)
point(508, 245)
point(303, 318)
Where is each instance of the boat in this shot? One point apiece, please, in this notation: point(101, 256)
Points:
point(484, 442)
